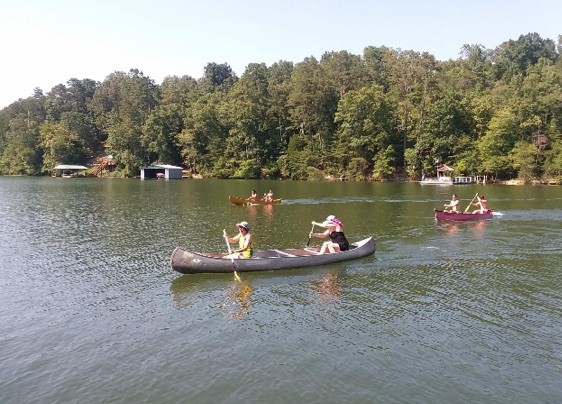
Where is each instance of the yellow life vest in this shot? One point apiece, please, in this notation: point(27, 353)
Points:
point(248, 252)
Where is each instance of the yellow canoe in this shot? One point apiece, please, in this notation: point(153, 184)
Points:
point(247, 201)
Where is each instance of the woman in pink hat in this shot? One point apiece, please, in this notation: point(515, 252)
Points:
point(334, 231)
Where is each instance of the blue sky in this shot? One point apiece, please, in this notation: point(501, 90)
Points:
point(45, 43)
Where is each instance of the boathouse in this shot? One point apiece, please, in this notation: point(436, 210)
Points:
point(161, 171)
point(68, 170)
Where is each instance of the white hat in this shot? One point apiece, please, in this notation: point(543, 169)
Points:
point(244, 225)
point(331, 220)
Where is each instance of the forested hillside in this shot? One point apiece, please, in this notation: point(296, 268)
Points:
point(382, 115)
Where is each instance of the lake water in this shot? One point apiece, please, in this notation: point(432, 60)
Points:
point(91, 312)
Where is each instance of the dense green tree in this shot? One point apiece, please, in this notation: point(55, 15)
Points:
point(366, 126)
point(497, 143)
point(121, 107)
point(74, 97)
point(160, 134)
point(60, 145)
point(553, 162)
point(371, 117)
point(217, 77)
point(344, 71)
point(249, 142)
point(202, 139)
point(384, 164)
point(375, 61)
point(300, 162)
point(413, 86)
point(312, 102)
point(444, 133)
point(524, 160)
point(279, 76)
point(21, 152)
point(514, 57)
point(181, 91)
point(537, 102)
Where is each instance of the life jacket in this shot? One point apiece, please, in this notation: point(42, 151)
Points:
point(248, 252)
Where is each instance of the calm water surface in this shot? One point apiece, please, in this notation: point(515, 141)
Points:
point(90, 310)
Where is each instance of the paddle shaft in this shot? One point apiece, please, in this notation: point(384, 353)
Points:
point(466, 210)
point(236, 277)
point(310, 235)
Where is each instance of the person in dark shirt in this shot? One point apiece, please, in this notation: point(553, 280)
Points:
point(334, 231)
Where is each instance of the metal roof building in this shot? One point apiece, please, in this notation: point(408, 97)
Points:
point(68, 170)
point(161, 171)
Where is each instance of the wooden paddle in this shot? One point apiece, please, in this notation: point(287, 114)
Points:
point(310, 236)
point(466, 210)
point(236, 277)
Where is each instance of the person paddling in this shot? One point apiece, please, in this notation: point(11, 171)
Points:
point(452, 206)
point(269, 196)
point(334, 231)
point(482, 204)
point(244, 239)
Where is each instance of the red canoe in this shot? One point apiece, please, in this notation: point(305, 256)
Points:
point(461, 217)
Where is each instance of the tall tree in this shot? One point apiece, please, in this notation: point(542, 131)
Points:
point(180, 91)
point(375, 61)
point(313, 103)
point(445, 132)
point(514, 57)
point(497, 143)
point(366, 126)
point(121, 107)
point(412, 88)
point(21, 151)
point(217, 77)
point(251, 143)
point(160, 134)
point(344, 71)
point(279, 76)
point(202, 141)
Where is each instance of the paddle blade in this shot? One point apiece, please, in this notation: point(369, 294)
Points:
point(236, 277)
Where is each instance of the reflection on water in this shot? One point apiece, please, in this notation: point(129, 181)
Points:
point(238, 300)
point(188, 290)
point(451, 229)
point(329, 287)
point(183, 290)
point(476, 228)
point(480, 229)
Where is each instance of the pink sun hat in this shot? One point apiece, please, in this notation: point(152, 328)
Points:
point(332, 220)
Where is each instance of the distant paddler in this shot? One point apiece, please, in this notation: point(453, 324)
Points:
point(452, 206)
point(482, 204)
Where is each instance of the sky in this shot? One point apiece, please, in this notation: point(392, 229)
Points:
point(46, 43)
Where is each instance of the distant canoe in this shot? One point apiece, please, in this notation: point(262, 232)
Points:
point(247, 201)
point(461, 216)
point(187, 262)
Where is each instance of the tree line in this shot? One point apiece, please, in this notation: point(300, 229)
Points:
point(384, 115)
